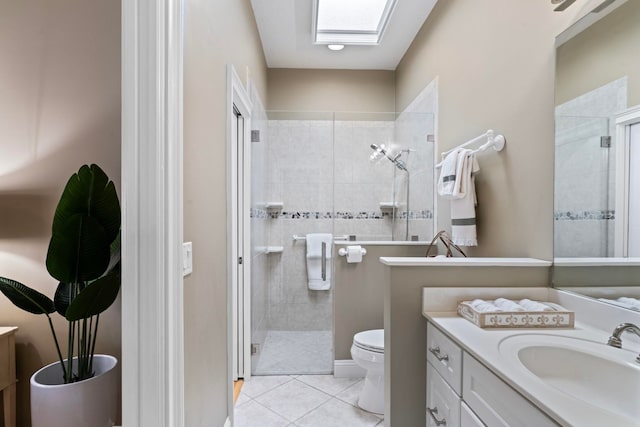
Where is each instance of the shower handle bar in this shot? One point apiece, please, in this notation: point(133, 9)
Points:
point(298, 237)
point(324, 261)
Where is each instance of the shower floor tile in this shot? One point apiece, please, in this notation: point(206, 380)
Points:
point(296, 353)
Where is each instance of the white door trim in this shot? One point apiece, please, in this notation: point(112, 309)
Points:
point(238, 97)
point(623, 121)
point(152, 299)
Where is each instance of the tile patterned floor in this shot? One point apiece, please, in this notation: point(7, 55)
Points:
point(296, 352)
point(302, 401)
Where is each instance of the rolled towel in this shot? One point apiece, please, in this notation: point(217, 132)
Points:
point(616, 302)
point(483, 306)
point(634, 302)
point(529, 305)
point(507, 305)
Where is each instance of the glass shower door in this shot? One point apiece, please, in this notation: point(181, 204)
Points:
point(297, 337)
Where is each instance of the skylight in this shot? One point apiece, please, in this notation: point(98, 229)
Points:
point(352, 21)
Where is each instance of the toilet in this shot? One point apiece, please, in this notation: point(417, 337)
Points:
point(367, 352)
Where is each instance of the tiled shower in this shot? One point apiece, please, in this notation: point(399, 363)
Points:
point(585, 170)
point(312, 173)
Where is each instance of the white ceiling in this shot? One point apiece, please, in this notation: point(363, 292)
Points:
point(286, 32)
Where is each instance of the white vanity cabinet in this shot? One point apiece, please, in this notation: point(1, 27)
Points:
point(463, 392)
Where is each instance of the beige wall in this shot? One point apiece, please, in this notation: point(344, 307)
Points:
point(216, 33)
point(361, 286)
point(331, 90)
point(602, 53)
point(405, 327)
point(495, 62)
point(59, 109)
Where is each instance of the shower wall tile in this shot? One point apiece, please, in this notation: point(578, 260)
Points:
point(584, 171)
point(322, 167)
point(362, 197)
point(308, 196)
point(580, 238)
point(310, 317)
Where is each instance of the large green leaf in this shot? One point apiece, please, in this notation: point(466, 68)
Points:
point(115, 254)
point(90, 193)
point(26, 298)
point(63, 297)
point(95, 298)
point(79, 250)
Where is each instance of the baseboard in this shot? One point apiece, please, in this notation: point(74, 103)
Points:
point(347, 369)
point(227, 423)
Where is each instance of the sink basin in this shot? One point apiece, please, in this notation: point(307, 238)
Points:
point(592, 372)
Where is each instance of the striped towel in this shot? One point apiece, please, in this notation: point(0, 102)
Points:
point(463, 207)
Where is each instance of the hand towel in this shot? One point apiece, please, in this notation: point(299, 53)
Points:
point(463, 206)
point(314, 261)
point(482, 306)
point(634, 302)
point(507, 305)
point(530, 305)
point(447, 178)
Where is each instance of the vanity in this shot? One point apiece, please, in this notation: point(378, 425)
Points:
point(530, 377)
point(8, 374)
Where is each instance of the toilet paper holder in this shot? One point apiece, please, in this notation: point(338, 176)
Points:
point(350, 251)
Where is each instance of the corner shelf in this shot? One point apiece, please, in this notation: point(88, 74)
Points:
point(274, 205)
point(388, 205)
point(273, 250)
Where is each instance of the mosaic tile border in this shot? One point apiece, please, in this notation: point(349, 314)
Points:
point(343, 215)
point(257, 213)
point(602, 215)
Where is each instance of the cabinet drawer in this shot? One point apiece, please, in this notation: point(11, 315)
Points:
point(468, 418)
point(496, 403)
point(445, 356)
point(443, 404)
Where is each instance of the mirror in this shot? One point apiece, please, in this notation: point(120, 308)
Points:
point(597, 154)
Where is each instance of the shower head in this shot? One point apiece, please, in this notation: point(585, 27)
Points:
point(379, 151)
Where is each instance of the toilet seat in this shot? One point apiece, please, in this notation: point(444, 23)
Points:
point(372, 340)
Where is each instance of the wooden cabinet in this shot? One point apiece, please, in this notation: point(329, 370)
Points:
point(468, 394)
point(8, 374)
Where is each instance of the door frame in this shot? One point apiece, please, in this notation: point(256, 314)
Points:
point(152, 217)
point(623, 122)
point(238, 98)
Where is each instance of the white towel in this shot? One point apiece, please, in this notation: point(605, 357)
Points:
point(634, 302)
point(448, 175)
point(463, 206)
point(314, 261)
point(482, 306)
point(530, 305)
point(507, 305)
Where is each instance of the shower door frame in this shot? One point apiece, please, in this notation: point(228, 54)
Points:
point(239, 228)
point(624, 121)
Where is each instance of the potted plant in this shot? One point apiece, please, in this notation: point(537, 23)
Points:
point(84, 256)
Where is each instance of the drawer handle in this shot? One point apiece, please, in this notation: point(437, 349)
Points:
point(436, 353)
point(433, 412)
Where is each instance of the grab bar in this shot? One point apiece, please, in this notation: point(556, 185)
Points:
point(298, 237)
point(324, 261)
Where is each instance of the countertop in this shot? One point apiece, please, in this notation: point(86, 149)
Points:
point(483, 344)
point(442, 261)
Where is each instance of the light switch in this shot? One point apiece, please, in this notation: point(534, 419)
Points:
point(187, 258)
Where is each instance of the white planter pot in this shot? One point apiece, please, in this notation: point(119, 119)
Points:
point(88, 403)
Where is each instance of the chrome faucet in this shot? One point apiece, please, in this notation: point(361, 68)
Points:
point(614, 339)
